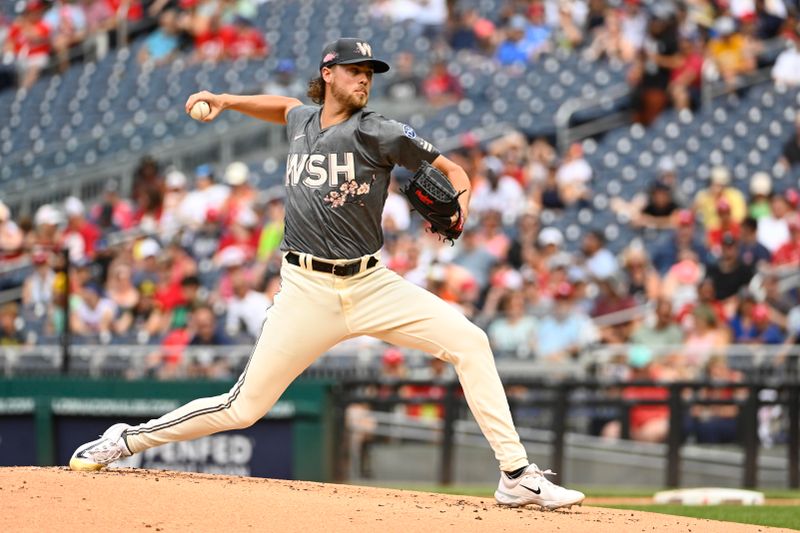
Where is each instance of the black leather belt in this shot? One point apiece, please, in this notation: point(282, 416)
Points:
point(341, 269)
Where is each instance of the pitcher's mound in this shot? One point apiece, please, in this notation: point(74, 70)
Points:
point(57, 499)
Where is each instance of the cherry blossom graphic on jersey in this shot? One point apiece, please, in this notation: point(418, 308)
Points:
point(349, 193)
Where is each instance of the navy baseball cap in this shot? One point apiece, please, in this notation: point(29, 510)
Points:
point(347, 51)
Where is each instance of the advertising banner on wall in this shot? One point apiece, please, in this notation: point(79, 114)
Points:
point(17, 432)
point(262, 450)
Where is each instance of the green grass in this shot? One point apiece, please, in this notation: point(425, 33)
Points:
point(774, 516)
point(592, 492)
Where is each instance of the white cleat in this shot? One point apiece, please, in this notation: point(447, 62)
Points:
point(99, 453)
point(532, 487)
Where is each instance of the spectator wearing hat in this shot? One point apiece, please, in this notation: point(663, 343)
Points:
point(205, 201)
point(660, 207)
point(786, 70)
point(243, 233)
point(145, 318)
point(727, 226)
point(647, 423)
point(37, 289)
point(80, 236)
point(231, 260)
point(730, 52)
point(29, 42)
point(241, 39)
point(752, 252)
point(11, 236)
point(242, 196)
point(773, 229)
point(789, 252)
point(729, 274)
point(760, 190)
point(563, 333)
point(171, 220)
point(682, 279)
point(667, 249)
point(760, 329)
point(513, 50)
point(706, 201)
point(177, 304)
point(641, 279)
point(145, 255)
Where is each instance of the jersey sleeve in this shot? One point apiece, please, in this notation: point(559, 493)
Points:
point(401, 145)
point(296, 118)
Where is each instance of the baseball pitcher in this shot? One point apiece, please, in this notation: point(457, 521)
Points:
point(334, 286)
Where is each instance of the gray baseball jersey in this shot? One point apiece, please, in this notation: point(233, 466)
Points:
point(337, 180)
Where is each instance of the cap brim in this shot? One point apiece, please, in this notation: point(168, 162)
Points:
point(378, 66)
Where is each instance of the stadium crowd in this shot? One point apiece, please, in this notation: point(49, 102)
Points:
point(189, 257)
point(669, 47)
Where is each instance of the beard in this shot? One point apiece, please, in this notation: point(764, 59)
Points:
point(351, 101)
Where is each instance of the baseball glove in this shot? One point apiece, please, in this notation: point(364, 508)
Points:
point(433, 196)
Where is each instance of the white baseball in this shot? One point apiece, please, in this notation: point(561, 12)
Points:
point(200, 110)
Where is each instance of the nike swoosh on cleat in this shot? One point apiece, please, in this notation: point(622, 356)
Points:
point(537, 491)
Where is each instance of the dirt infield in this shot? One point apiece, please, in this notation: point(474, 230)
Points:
point(56, 499)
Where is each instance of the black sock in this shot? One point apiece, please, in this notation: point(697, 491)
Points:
point(516, 473)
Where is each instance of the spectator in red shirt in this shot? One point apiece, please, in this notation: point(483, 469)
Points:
point(113, 211)
point(684, 83)
point(243, 40)
point(80, 235)
point(727, 225)
point(128, 9)
point(242, 195)
point(29, 41)
point(11, 237)
point(441, 87)
point(789, 252)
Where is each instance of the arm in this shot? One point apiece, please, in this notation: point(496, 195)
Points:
point(458, 178)
point(264, 107)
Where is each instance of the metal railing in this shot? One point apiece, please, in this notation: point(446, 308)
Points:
point(566, 133)
point(774, 364)
point(559, 399)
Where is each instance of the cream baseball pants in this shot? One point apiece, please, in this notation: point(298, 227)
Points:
point(314, 311)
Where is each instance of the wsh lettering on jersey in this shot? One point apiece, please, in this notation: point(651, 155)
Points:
point(315, 170)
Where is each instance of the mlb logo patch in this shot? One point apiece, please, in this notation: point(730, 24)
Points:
point(409, 131)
